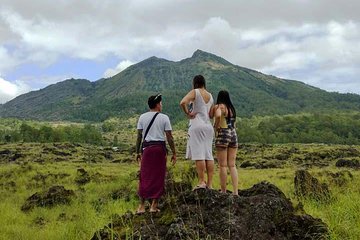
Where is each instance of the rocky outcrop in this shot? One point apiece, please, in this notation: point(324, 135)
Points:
point(309, 186)
point(54, 196)
point(265, 164)
point(82, 177)
point(348, 163)
point(340, 178)
point(261, 212)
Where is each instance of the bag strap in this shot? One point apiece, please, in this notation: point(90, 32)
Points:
point(150, 124)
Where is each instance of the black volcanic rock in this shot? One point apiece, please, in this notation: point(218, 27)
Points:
point(82, 177)
point(55, 195)
point(309, 186)
point(347, 163)
point(261, 212)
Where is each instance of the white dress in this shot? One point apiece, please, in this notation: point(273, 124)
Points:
point(201, 132)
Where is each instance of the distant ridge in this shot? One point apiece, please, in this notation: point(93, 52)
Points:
point(126, 93)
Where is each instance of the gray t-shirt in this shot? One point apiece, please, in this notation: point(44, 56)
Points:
point(160, 125)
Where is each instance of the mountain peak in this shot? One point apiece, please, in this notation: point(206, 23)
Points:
point(152, 61)
point(79, 100)
point(199, 54)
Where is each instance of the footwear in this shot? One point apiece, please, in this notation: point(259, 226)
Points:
point(156, 210)
point(200, 186)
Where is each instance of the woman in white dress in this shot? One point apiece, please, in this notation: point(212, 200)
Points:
point(201, 132)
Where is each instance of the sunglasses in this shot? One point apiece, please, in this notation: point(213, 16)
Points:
point(157, 95)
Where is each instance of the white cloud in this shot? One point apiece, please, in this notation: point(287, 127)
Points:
point(279, 37)
point(329, 80)
point(119, 68)
point(40, 36)
point(292, 61)
point(324, 57)
point(7, 61)
point(42, 81)
point(9, 90)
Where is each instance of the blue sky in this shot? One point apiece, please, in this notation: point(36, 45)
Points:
point(41, 43)
point(39, 76)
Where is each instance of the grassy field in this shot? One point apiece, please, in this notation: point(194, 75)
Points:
point(112, 173)
point(91, 209)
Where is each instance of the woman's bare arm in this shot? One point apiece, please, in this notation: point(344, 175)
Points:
point(190, 97)
point(217, 115)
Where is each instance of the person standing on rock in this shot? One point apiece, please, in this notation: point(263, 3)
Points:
point(226, 142)
point(201, 132)
point(152, 128)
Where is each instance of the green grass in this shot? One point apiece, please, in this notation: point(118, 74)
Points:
point(83, 216)
point(342, 215)
point(93, 208)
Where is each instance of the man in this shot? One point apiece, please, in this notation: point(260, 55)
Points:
point(152, 128)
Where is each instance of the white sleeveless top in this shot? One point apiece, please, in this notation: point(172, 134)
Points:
point(201, 132)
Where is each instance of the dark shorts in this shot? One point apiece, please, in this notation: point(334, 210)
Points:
point(226, 138)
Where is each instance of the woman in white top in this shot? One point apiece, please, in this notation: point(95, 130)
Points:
point(201, 132)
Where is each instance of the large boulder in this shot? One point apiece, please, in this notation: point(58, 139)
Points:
point(261, 212)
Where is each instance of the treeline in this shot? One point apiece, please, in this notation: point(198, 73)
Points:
point(27, 133)
point(331, 128)
point(334, 128)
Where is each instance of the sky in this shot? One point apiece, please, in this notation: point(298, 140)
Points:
point(44, 42)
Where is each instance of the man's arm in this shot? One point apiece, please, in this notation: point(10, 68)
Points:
point(138, 144)
point(170, 140)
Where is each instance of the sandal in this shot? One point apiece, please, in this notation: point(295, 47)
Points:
point(200, 186)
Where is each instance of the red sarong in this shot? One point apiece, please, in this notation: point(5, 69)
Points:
point(152, 172)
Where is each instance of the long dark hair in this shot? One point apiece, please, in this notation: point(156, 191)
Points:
point(224, 98)
point(199, 81)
